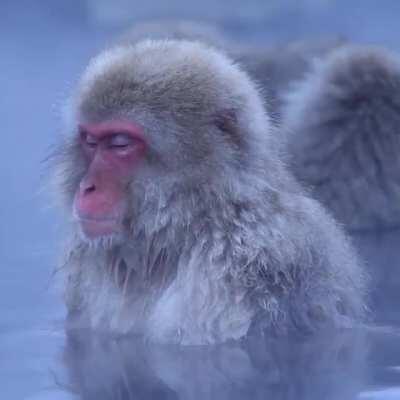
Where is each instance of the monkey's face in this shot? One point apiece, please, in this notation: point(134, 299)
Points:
point(154, 119)
point(124, 158)
point(112, 152)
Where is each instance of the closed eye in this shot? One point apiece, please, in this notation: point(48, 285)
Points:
point(89, 140)
point(121, 141)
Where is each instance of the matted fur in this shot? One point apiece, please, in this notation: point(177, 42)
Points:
point(344, 130)
point(220, 238)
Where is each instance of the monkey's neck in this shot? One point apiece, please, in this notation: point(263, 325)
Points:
point(163, 243)
point(180, 255)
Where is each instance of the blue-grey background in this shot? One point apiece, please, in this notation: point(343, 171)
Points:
point(44, 45)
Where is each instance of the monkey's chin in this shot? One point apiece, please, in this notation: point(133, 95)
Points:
point(98, 230)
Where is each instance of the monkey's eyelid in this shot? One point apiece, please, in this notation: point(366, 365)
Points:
point(90, 140)
point(120, 140)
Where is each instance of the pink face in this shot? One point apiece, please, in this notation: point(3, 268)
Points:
point(113, 150)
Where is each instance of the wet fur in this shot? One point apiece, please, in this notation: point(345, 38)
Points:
point(221, 240)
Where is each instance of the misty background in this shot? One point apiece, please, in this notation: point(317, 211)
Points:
point(44, 46)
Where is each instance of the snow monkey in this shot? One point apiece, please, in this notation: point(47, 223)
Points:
point(186, 225)
point(343, 123)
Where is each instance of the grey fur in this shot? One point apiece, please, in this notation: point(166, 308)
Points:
point(276, 68)
point(343, 122)
point(221, 239)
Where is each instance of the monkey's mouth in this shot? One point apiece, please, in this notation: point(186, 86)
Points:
point(96, 227)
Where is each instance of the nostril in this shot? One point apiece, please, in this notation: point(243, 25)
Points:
point(89, 189)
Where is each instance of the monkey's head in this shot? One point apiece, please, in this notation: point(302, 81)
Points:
point(171, 115)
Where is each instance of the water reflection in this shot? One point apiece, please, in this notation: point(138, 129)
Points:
point(329, 367)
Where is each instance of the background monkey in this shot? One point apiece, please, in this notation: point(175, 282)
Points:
point(347, 148)
point(343, 132)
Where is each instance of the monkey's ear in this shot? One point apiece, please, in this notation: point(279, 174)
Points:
point(226, 121)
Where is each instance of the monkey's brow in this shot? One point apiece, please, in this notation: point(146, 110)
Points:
point(107, 128)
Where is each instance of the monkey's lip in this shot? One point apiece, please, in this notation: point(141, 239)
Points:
point(91, 218)
point(95, 227)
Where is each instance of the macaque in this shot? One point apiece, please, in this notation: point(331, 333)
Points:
point(186, 225)
point(343, 123)
point(343, 133)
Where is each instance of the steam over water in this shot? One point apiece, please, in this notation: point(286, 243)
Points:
point(44, 47)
